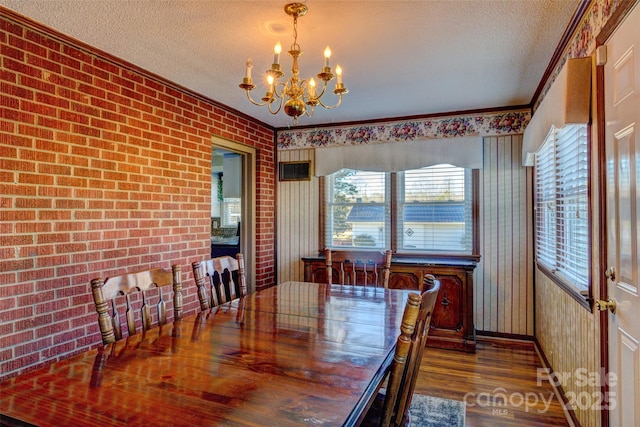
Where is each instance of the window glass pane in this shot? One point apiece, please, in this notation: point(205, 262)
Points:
point(435, 210)
point(357, 209)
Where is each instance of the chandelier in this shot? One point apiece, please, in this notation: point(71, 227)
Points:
point(295, 95)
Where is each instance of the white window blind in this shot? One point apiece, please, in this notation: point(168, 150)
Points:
point(435, 210)
point(561, 191)
point(231, 211)
point(357, 209)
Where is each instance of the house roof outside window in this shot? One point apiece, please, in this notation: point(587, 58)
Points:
point(431, 212)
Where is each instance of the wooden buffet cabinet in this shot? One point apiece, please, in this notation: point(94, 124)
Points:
point(452, 321)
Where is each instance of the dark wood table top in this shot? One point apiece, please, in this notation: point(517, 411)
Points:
point(294, 354)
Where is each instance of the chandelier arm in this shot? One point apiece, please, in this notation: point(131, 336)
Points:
point(331, 107)
point(319, 95)
point(282, 90)
point(306, 113)
point(259, 104)
point(279, 106)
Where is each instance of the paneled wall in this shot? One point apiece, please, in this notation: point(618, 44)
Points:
point(504, 277)
point(503, 292)
point(104, 168)
point(297, 219)
point(570, 338)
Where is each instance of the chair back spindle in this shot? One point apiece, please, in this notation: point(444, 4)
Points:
point(358, 268)
point(126, 285)
point(219, 280)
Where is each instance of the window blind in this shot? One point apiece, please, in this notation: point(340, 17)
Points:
point(561, 191)
point(435, 210)
point(231, 211)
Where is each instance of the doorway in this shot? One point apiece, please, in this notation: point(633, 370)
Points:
point(233, 172)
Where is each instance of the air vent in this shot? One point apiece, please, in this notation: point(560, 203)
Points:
point(294, 171)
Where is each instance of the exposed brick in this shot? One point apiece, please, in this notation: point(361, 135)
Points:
point(33, 227)
point(77, 75)
point(16, 363)
point(50, 122)
point(48, 261)
point(37, 274)
point(20, 336)
point(72, 95)
point(10, 90)
point(54, 192)
point(64, 348)
point(64, 60)
point(35, 131)
point(76, 53)
point(33, 203)
point(85, 109)
point(43, 63)
point(50, 328)
point(74, 117)
point(116, 176)
point(68, 181)
point(16, 116)
point(32, 346)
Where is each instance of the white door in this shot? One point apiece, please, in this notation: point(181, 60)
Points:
point(622, 117)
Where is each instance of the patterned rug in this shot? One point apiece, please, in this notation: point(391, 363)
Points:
point(428, 411)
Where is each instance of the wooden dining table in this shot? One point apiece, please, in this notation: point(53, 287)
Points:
point(294, 354)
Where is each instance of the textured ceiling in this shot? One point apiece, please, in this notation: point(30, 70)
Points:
point(400, 58)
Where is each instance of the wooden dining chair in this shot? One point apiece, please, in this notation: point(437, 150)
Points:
point(362, 268)
point(219, 280)
point(391, 408)
point(110, 292)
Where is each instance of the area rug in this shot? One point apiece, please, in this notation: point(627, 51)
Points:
point(429, 411)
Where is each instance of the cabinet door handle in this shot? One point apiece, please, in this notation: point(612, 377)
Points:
point(445, 300)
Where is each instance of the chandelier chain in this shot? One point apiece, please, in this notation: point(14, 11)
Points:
point(295, 45)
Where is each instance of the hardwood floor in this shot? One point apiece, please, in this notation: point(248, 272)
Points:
point(499, 384)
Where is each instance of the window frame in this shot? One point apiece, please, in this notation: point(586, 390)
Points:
point(394, 205)
point(583, 296)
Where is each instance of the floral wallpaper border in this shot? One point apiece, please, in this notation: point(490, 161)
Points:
point(505, 123)
point(490, 124)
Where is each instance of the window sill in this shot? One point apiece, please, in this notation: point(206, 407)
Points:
point(585, 301)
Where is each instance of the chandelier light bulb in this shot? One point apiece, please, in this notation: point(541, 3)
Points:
point(249, 67)
point(312, 88)
point(327, 55)
point(339, 73)
point(277, 49)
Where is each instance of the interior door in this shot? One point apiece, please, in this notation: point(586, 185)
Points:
point(622, 116)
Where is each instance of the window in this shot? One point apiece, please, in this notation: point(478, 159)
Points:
point(435, 210)
point(231, 211)
point(562, 211)
point(357, 209)
point(431, 211)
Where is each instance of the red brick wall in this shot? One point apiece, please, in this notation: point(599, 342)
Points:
point(103, 168)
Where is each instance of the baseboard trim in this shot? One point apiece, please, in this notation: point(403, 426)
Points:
point(557, 388)
point(503, 336)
